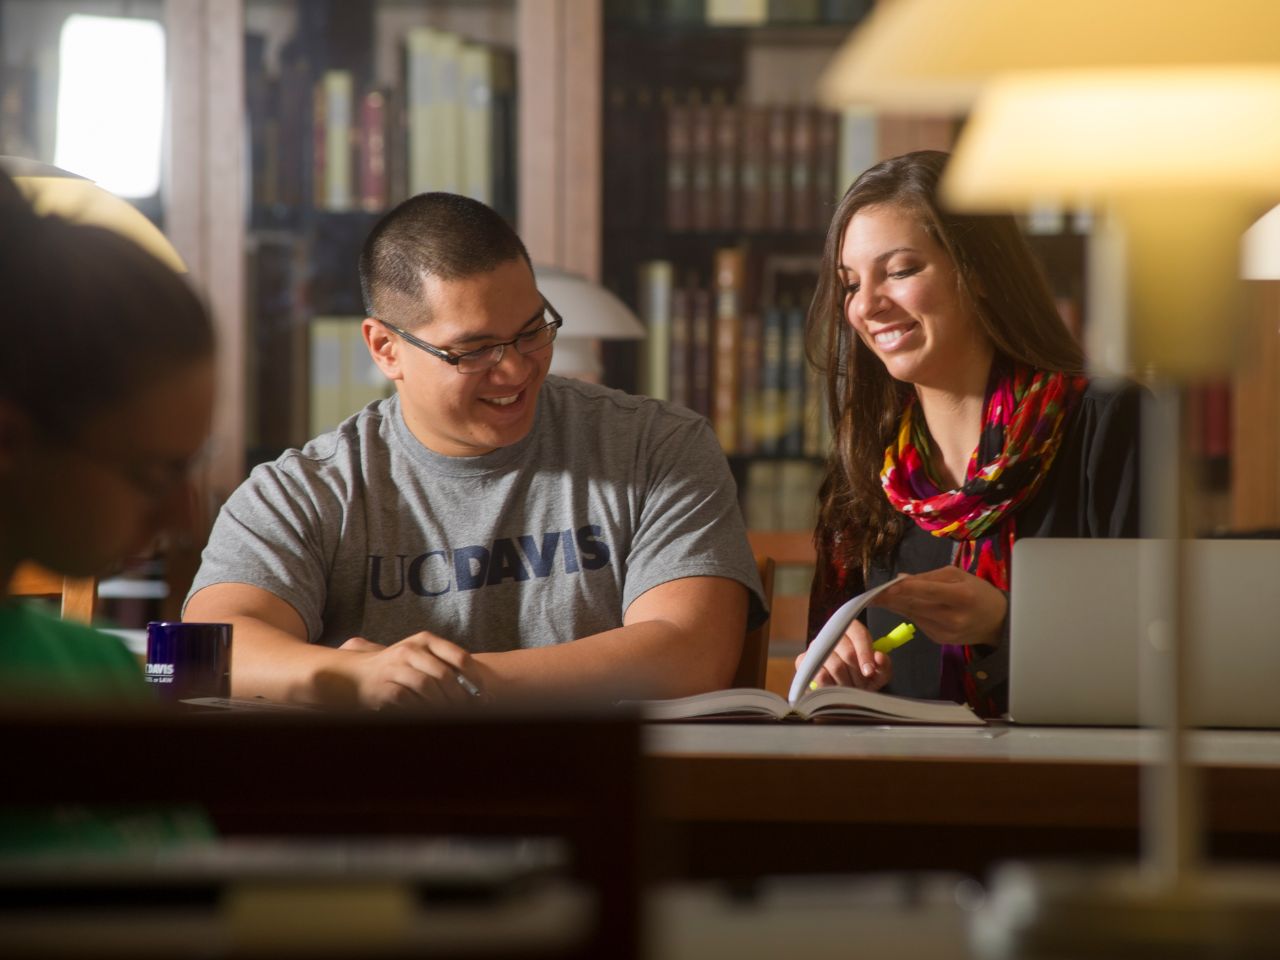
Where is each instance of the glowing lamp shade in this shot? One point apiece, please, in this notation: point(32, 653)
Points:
point(54, 191)
point(590, 313)
point(938, 54)
point(1182, 159)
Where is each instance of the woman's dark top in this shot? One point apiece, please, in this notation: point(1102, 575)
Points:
point(1091, 491)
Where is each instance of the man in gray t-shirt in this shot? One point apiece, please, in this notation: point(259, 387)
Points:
point(532, 535)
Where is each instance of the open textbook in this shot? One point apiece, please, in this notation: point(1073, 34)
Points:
point(836, 703)
point(844, 703)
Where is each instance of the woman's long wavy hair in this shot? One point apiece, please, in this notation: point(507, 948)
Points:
point(995, 271)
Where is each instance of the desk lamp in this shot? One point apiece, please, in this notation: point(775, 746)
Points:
point(52, 190)
point(591, 313)
point(1163, 116)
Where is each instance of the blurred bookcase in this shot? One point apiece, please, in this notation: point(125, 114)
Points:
point(721, 174)
point(350, 108)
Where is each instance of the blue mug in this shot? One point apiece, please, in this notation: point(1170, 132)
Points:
point(186, 660)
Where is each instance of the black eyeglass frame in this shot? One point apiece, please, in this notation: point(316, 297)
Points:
point(454, 359)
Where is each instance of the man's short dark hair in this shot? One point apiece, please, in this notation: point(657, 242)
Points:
point(439, 235)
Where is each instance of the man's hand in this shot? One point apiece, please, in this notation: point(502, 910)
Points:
point(950, 605)
point(419, 671)
point(852, 662)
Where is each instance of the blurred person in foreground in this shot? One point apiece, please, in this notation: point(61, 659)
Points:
point(963, 422)
point(106, 394)
point(488, 529)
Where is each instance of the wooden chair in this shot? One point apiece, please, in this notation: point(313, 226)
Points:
point(790, 619)
point(754, 662)
point(78, 595)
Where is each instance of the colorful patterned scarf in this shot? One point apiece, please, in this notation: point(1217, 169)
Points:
point(1021, 433)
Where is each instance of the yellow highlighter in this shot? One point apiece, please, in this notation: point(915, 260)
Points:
point(890, 641)
point(895, 638)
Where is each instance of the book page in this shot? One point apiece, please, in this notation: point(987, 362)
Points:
point(738, 702)
point(852, 703)
point(827, 638)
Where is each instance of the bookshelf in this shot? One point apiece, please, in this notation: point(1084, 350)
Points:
point(351, 108)
point(721, 175)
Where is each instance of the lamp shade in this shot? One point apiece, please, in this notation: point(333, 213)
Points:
point(1260, 255)
point(589, 310)
point(937, 54)
point(51, 190)
point(591, 313)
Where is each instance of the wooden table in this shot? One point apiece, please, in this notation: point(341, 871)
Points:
point(748, 799)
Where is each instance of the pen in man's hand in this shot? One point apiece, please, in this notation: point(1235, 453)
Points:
point(466, 684)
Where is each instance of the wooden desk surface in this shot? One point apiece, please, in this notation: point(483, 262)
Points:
point(955, 798)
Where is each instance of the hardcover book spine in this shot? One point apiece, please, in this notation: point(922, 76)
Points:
point(753, 204)
point(373, 151)
point(681, 346)
point(749, 385)
point(338, 110)
point(476, 89)
point(319, 146)
point(679, 134)
point(447, 131)
point(771, 381)
point(802, 161)
point(826, 193)
point(793, 383)
point(779, 170)
point(656, 281)
point(702, 167)
point(703, 323)
point(729, 271)
point(418, 114)
point(726, 167)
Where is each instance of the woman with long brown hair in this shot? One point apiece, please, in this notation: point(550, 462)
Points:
point(962, 422)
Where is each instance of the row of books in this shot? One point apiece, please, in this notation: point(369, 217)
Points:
point(742, 366)
point(776, 168)
point(450, 126)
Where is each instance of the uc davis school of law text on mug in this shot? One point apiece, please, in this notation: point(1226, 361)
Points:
point(186, 660)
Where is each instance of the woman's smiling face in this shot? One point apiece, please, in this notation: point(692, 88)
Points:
point(903, 299)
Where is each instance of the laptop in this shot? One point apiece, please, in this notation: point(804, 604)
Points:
point(1075, 628)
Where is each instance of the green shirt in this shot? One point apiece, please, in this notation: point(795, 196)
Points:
point(47, 660)
point(44, 658)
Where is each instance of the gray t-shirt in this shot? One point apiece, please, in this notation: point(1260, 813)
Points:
point(365, 532)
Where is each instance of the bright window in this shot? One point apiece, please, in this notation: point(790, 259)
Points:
point(111, 102)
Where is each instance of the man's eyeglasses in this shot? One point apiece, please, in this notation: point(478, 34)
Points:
point(486, 358)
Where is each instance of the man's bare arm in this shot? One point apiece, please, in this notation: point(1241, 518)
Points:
point(680, 638)
point(271, 658)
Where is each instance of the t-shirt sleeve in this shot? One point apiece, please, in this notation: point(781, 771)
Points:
point(689, 523)
point(271, 534)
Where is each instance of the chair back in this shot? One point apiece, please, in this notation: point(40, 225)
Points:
point(754, 663)
point(78, 595)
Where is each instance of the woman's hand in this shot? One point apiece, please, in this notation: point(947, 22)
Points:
point(950, 605)
point(852, 662)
